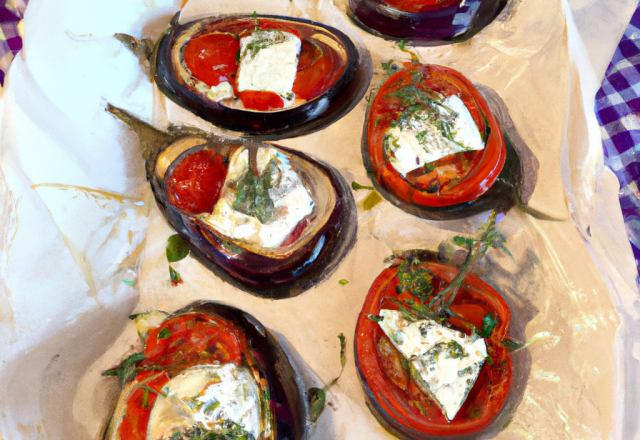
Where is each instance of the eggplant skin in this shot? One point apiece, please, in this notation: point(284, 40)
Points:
point(285, 387)
point(303, 119)
point(257, 274)
point(429, 28)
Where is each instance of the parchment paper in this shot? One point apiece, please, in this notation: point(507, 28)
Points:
point(76, 218)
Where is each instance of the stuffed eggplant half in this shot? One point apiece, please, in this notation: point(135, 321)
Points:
point(208, 371)
point(428, 21)
point(270, 220)
point(426, 373)
point(433, 147)
point(265, 76)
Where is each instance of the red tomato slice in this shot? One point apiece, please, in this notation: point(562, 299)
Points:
point(476, 171)
point(212, 58)
point(192, 339)
point(280, 26)
point(194, 185)
point(138, 409)
point(410, 407)
point(261, 101)
point(319, 67)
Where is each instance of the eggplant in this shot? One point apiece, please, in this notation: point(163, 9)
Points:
point(304, 255)
point(343, 70)
point(426, 22)
point(484, 180)
point(202, 344)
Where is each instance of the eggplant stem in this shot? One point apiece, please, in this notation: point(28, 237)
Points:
point(151, 139)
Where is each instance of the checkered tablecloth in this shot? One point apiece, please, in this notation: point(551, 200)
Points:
point(617, 107)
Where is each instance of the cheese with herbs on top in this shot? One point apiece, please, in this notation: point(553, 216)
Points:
point(282, 203)
point(447, 361)
point(213, 397)
point(269, 62)
point(432, 133)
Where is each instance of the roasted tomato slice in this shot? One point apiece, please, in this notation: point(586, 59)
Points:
point(212, 58)
point(454, 179)
point(261, 101)
point(192, 339)
point(402, 403)
point(194, 185)
point(136, 418)
point(319, 66)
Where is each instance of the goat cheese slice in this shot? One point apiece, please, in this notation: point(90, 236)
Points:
point(269, 62)
point(290, 200)
point(447, 361)
point(421, 138)
point(209, 396)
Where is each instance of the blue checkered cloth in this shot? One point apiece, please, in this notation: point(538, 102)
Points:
point(618, 110)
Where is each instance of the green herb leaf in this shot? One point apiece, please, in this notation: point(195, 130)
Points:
point(164, 334)
point(343, 345)
point(464, 242)
point(174, 277)
point(253, 197)
point(177, 249)
point(512, 345)
point(145, 397)
point(488, 324)
point(375, 318)
point(343, 282)
point(317, 398)
point(401, 44)
point(371, 200)
point(489, 359)
point(131, 283)
point(127, 370)
point(357, 186)
point(389, 67)
point(414, 279)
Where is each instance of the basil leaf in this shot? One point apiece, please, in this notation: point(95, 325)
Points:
point(177, 249)
point(371, 200)
point(357, 186)
point(488, 324)
point(317, 398)
point(127, 370)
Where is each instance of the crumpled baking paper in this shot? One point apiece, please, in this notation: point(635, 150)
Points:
point(77, 218)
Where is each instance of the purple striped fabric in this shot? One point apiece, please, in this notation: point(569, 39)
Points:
point(617, 107)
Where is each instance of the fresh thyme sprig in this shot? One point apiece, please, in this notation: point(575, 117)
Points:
point(418, 281)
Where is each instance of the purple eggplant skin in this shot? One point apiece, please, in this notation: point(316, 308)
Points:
point(445, 26)
point(257, 274)
point(303, 119)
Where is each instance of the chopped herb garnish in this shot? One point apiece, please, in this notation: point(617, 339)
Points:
point(127, 370)
point(371, 200)
point(164, 334)
point(488, 324)
point(389, 67)
point(357, 186)
point(414, 279)
point(317, 396)
point(174, 277)
point(375, 318)
point(131, 283)
point(343, 282)
point(253, 197)
point(512, 345)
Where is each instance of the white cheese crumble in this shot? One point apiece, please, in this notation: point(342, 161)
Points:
point(291, 200)
point(269, 62)
point(207, 396)
point(447, 360)
point(420, 139)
